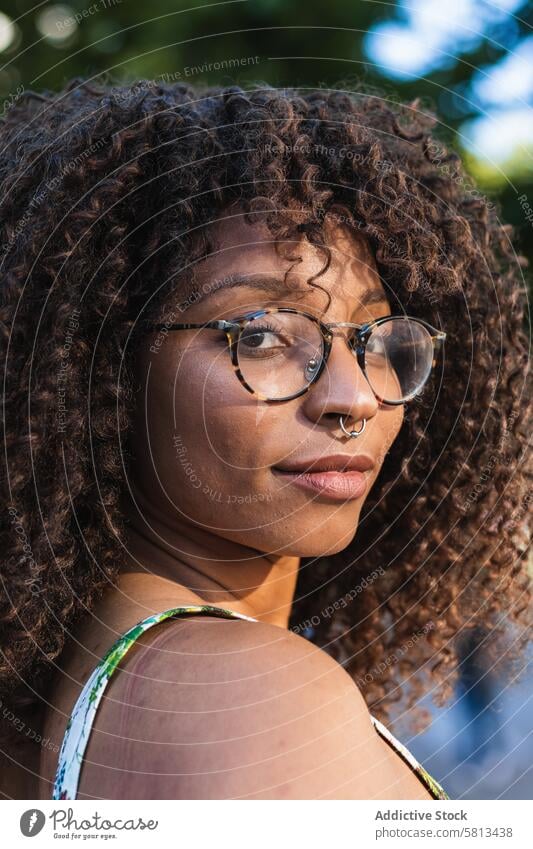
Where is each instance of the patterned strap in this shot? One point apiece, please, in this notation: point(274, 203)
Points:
point(80, 722)
point(436, 790)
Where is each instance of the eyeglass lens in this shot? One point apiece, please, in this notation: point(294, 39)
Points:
point(280, 353)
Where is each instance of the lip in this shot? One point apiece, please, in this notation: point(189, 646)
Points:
point(339, 477)
point(337, 486)
point(331, 463)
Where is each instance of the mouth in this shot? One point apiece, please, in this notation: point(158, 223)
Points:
point(333, 484)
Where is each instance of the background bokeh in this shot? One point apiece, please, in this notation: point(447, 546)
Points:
point(469, 60)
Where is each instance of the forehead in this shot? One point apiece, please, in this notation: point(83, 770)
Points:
point(243, 250)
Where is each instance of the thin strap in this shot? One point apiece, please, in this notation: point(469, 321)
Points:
point(79, 725)
point(436, 790)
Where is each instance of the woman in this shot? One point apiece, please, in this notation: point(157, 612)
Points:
point(252, 493)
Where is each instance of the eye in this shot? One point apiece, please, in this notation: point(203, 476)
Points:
point(262, 339)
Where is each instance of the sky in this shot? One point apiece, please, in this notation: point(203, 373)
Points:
point(426, 35)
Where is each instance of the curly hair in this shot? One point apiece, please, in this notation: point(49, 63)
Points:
point(108, 190)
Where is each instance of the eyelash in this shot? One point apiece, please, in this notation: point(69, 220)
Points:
point(258, 328)
point(265, 328)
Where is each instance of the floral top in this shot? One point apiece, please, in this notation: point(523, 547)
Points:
point(80, 722)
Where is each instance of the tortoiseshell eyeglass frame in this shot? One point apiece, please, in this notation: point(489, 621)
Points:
point(234, 328)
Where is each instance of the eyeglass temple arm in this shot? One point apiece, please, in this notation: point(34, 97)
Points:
point(212, 325)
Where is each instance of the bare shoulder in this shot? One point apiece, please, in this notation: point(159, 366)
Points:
point(212, 708)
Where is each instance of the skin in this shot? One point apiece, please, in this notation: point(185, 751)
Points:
point(284, 720)
point(193, 530)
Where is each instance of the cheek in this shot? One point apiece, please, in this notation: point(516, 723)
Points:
point(389, 423)
point(204, 427)
point(211, 407)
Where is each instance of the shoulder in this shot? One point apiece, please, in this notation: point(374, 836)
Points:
point(205, 707)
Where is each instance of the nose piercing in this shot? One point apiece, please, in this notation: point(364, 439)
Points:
point(352, 432)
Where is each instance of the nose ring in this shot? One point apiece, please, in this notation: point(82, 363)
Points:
point(352, 432)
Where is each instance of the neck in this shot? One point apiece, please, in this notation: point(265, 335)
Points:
point(216, 570)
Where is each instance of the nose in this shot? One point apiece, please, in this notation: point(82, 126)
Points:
point(341, 390)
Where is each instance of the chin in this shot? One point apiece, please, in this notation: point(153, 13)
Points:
point(317, 544)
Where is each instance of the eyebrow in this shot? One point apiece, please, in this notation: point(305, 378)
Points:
point(272, 284)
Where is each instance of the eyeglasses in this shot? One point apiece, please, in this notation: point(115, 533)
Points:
point(279, 353)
